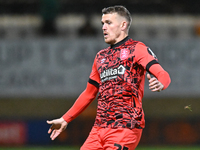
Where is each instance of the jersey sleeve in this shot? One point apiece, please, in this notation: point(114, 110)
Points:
point(162, 75)
point(86, 97)
point(144, 56)
point(82, 102)
point(94, 77)
point(149, 61)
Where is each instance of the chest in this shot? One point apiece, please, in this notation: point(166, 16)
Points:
point(116, 64)
point(112, 59)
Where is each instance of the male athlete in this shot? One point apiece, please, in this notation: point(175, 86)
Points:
point(118, 75)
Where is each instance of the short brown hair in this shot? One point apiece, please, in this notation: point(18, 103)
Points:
point(120, 10)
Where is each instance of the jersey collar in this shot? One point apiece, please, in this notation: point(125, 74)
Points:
point(120, 43)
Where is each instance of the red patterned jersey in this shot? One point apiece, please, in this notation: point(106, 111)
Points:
point(119, 73)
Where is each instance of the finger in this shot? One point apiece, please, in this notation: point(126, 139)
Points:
point(158, 89)
point(55, 134)
point(52, 134)
point(49, 122)
point(148, 76)
point(50, 130)
point(154, 90)
point(153, 82)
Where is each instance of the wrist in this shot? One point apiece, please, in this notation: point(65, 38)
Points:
point(63, 120)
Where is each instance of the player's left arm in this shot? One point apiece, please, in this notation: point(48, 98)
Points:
point(161, 79)
point(145, 57)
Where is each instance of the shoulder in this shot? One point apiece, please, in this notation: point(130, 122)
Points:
point(142, 49)
point(136, 46)
point(131, 42)
point(140, 44)
point(102, 52)
point(100, 56)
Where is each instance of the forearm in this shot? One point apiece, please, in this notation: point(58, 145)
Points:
point(160, 74)
point(83, 101)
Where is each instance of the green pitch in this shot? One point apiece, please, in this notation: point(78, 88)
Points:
point(77, 148)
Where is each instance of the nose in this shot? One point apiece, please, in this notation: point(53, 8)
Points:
point(103, 27)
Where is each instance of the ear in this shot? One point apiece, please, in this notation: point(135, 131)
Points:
point(124, 25)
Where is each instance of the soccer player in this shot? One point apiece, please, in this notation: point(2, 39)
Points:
point(118, 75)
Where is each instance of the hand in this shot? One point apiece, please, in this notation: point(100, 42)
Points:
point(154, 84)
point(57, 126)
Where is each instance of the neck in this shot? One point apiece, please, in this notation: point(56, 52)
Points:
point(121, 37)
point(119, 43)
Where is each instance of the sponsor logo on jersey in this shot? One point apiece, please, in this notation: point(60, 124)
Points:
point(124, 53)
point(112, 73)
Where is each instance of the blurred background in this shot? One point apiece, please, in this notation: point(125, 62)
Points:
point(47, 48)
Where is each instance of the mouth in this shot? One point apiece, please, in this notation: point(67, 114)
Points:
point(105, 34)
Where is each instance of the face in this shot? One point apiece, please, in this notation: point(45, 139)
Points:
point(112, 28)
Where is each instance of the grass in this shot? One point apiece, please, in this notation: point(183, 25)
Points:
point(77, 148)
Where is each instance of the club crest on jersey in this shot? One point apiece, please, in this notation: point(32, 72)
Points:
point(124, 53)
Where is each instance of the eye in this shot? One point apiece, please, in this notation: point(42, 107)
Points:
point(108, 22)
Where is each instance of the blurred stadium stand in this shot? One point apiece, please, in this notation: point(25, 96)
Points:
point(145, 26)
point(153, 18)
point(95, 6)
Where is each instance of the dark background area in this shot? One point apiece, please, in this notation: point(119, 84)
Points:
point(95, 6)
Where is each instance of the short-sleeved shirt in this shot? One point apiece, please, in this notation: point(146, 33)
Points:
point(119, 73)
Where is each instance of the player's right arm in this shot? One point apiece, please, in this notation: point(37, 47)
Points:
point(86, 97)
point(82, 102)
